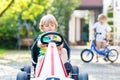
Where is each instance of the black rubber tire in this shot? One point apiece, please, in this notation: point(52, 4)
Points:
point(22, 76)
point(68, 67)
point(27, 69)
point(82, 54)
point(75, 73)
point(116, 57)
point(83, 76)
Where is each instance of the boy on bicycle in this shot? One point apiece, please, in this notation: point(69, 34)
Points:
point(102, 32)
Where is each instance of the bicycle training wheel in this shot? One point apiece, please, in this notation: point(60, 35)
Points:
point(87, 55)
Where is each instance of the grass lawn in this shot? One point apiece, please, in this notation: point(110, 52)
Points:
point(2, 52)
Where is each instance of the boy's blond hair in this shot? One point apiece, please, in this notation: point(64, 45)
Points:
point(49, 18)
point(102, 16)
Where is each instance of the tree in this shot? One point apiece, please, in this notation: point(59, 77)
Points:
point(15, 15)
point(62, 10)
point(3, 11)
point(17, 12)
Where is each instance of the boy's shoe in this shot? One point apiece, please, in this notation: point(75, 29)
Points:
point(68, 67)
point(97, 61)
point(105, 59)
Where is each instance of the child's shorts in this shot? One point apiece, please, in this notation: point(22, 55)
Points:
point(100, 38)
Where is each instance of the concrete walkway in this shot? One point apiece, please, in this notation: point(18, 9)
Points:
point(12, 61)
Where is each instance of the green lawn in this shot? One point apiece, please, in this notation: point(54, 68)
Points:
point(2, 52)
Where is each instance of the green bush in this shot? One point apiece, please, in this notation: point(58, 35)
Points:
point(110, 22)
point(110, 14)
point(8, 43)
point(8, 31)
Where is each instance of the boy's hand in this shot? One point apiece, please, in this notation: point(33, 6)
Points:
point(60, 47)
point(43, 45)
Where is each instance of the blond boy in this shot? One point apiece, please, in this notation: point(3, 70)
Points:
point(48, 23)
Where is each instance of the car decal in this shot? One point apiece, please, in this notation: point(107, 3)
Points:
point(52, 59)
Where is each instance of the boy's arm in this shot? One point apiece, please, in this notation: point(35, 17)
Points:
point(108, 35)
point(39, 44)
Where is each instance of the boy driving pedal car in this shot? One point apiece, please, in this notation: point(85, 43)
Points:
point(48, 23)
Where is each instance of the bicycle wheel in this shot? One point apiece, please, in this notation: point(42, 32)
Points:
point(112, 55)
point(87, 55)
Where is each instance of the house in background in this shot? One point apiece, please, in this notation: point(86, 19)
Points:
point(116, 22)
point(112, 9)
point(82, 20)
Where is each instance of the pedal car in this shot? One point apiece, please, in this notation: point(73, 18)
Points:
point(52, 67)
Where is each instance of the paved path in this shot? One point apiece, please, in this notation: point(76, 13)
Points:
point(11, 63)
point(97, 71)
point(13, 60)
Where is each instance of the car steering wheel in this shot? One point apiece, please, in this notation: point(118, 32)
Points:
point(58, 43)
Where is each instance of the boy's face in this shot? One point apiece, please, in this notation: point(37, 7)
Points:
point(49, 27)
point(103, 20)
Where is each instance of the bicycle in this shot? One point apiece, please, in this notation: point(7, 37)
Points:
point(87, 54)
